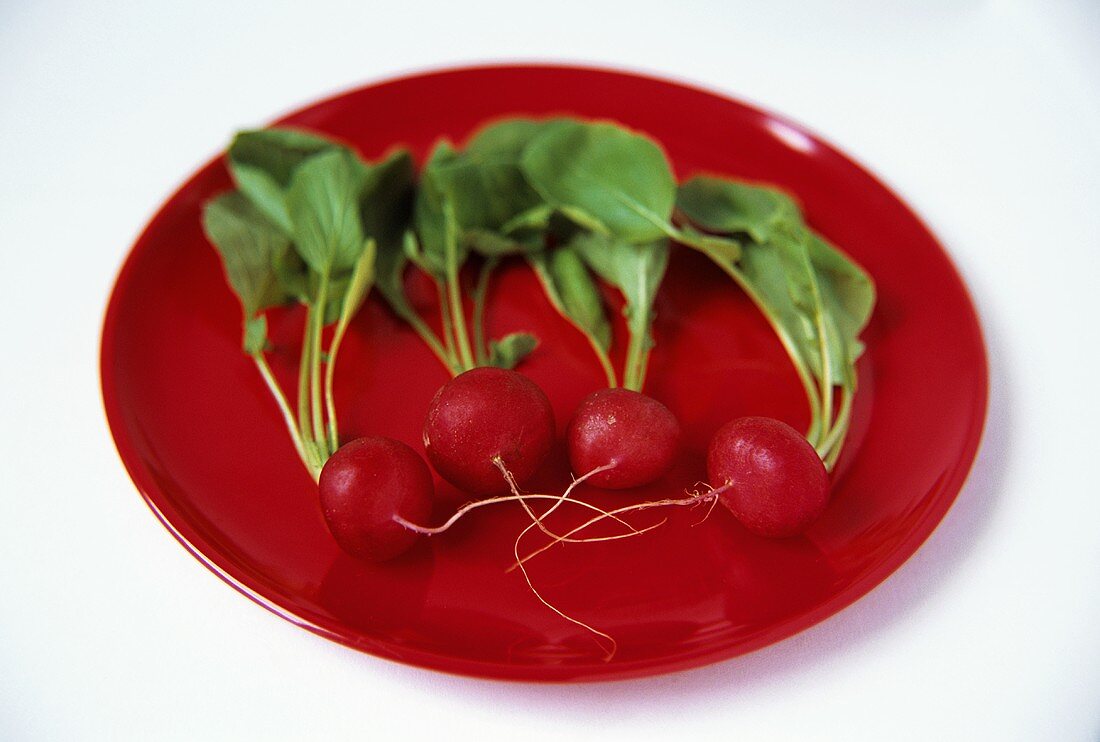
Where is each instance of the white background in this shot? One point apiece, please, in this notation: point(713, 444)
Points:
point(984, 115)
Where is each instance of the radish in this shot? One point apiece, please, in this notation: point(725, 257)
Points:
point(488, 425)
point(365, 486)
point(769, 476)
point(633, 435)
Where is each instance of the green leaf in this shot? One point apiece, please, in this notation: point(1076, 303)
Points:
point(264, 161)
point(386, 198)
point(362, 278)
point(573, 292)
point(605, 177)
point(293, 275)
point(637, 271)
point(390, 265)
point(537, 218)
point(814, 296)
point(431, 253)
point(732, 207)
point(492, 244)
point(323, 203)
point(847, 294)
point(255, 334)
point(511, 349)
point(386, 211)
point(487, 191)
point(250, 247)
point(507, 139)
point(728, 248)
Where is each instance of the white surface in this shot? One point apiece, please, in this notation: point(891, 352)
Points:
point(986, 116)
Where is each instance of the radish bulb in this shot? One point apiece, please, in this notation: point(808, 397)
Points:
point(634, 436)
point(365, 486)
point(769, 476)
point(485, 422)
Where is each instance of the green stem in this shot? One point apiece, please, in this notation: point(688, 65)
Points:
point(284, 408)
point(829, 450)
point(330, 375)
point(315, 368)
point(445, 356)
point(481, 348)
point(458, 317)
point(454, 288)
point(605, 362)
point(634, 366)
point(303, 385)
point(447, 326)
point(834, 453)
point(826, 376)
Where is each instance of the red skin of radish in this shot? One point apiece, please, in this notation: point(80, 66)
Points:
point(486, 413)
point(635, 433)
point(778, 483)
point(363, 485)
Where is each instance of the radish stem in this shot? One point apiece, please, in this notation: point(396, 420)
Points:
point(284, 409)
point(434, 344)
point(454, 288)
point(316, 409)
point(448, 328)
point(303, 390)
point(481, 348)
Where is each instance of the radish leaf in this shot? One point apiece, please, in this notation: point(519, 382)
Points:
point(509, 350)
point(263, 162)
point(249, 246)
point(817, 299)
point(637, 271)
point(731, 207)
point(573, 292)
point(323, 204)
point(604, 177)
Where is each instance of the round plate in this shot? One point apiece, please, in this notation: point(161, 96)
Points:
point(205, 444)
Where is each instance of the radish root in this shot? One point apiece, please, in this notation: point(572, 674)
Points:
point(612, 645)
point(694, 498)
point(605, 641)
point(433, 530)
point(538, 520)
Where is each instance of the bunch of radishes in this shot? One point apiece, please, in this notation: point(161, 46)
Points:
point(580, 202)
point(488, 431)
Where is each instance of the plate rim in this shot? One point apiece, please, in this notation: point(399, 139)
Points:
point(595, 671)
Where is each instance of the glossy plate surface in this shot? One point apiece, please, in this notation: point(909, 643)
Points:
point(206, 447)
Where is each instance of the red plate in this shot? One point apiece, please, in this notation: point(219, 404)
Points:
point(205, 444)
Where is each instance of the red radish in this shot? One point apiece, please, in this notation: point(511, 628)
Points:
point(769, 475)
point(485, 416)
point(636, 435)
point(364, 486)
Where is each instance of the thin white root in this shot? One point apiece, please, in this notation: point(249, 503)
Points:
point(537, 519)
point(710, 510)
point(573, 485)
point(694, 499)
point(613, 645)
point(433, 530)
point(605, 641)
